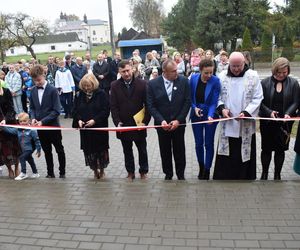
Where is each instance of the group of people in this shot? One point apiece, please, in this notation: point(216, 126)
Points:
point(168, 89)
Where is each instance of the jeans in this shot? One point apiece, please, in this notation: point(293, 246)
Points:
point(18, 104)
point(66, 100)
point(27, 156)
point(129, 158)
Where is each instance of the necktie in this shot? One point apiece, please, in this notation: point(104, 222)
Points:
point(169, 89)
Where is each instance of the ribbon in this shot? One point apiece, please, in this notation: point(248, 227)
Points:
point(139, 128)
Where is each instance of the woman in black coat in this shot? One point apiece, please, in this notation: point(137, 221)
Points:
point(91, 110)
point(9, 146)
point(281, 99)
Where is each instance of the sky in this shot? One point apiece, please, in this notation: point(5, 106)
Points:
point(94, 9)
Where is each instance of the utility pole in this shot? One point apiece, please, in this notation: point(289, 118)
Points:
point(111, 25)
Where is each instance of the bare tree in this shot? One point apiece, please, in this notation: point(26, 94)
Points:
point(25, 30)
point(147, 15)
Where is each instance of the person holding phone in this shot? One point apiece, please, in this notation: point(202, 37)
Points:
point(205, 90)
point(281, 100)
point(91, 110)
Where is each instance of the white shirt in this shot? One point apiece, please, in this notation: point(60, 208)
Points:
point(64, 80)
point(41, 92)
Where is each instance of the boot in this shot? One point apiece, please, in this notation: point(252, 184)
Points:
point(206, 174)
point(201, 171)
point(264, 174)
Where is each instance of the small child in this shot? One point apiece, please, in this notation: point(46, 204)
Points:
point(29, 141)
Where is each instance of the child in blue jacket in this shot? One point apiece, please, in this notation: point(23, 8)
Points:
point(29, 141)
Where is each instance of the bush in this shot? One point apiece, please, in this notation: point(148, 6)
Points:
point(247, 42)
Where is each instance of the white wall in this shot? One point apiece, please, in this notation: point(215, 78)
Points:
point(46, 48)
point(102, 33)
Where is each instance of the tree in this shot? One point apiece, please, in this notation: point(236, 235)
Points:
point(25, 30)
point(266, 46)
point(6, 41)
point(225, 20)
point(180, 23)
point(147, 15)
point(247, 43)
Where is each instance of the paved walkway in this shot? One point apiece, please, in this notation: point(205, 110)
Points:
point(80, 213)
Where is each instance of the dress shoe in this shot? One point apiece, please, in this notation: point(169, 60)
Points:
point(264, 176)
point(181, 178)
point(277, 177)
point(130, 176)
point(49, 176)
point(144, 176)
point(168, 178)
point(62, 176)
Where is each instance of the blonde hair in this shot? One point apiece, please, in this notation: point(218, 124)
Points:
point(23, 117)
point(280, 63)
point(89, 79)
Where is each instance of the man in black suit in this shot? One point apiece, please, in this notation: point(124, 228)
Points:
point(45, 109)
point(169, 101)
point(52, 67)
point(114, 66)
point(101, 71)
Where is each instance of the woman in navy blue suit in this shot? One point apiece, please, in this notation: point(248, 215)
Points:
point(205, 89)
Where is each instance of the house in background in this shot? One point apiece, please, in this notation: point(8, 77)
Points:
point(51, 43)
point(94, 31)
point(132, 40)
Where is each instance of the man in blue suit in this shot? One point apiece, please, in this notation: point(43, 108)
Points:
point(169, 101)
point(45, 109)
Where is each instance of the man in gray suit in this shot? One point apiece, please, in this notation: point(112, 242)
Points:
point(169, 101)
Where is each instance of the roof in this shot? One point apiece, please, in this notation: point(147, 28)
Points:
point(131, 33)
point(96, 22)
point(60, 38)
point(72, 25)
point(140, 42)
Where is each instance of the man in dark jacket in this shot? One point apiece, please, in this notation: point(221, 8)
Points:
point(78, 71)
point(169, 101)
point(128, 98)
point(101, 71)
point(114, 66)
point(52, 67)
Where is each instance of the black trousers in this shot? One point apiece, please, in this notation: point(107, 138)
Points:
point(129, 158)
point(49, 138)
point(172, 142)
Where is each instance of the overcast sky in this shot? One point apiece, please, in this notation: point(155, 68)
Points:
point(94, 9)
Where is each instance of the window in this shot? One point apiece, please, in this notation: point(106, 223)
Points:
point(94, 32)
point(69, 45)
point(12, 51)
point(53, 47)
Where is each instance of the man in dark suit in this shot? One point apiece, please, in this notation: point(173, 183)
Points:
point(52, 67)
point(101, 71)
point(114, 69)
point(45, 109)
point(169, 101)
point(128, 97)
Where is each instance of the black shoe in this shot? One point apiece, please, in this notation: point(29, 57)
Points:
point(277, 177)
point(206, 174)
point(264, 176)
point(201, 172)
point(50, 176)
point(181, 178)
point(66, 116)
point(168, 178)
point(62, 176)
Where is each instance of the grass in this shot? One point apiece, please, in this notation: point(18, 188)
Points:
point(44, 57)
